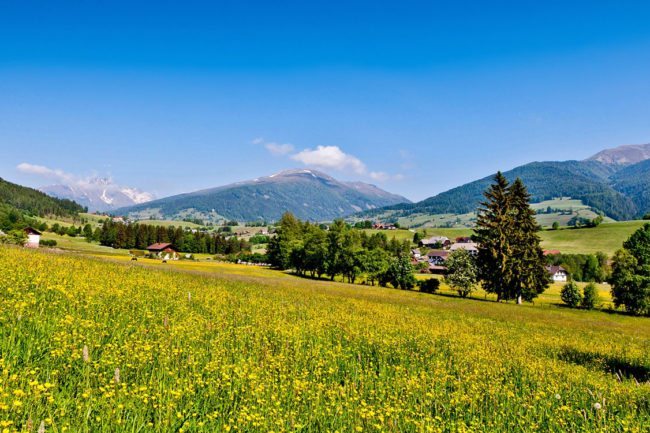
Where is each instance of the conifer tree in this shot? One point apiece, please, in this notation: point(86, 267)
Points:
point(510, 260)
point(492, 233)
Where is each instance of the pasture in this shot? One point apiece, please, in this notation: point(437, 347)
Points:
point(94, 345)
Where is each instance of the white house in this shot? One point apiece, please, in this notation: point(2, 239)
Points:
point(558, 274)
point(436, 240)
point(33, 237)
point(416, 254)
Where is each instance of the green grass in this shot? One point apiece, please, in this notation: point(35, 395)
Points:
point(607, 237)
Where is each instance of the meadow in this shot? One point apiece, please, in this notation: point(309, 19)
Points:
point(94, 345)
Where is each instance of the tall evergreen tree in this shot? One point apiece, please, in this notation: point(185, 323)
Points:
point(510, 260)
point(493, 233)
point(528, 277)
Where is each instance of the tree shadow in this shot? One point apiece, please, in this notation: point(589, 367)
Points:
point(610, 364)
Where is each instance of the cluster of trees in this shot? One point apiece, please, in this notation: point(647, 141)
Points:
point(630, 277)
point(572, 297)
point(340, 250)
point(140, 236)
point(510, 262)
point(580, 222)
point(582, 267)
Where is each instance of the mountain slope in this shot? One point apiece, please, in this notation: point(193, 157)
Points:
point(35, 202)
point(98, 194)
point(621, 155)
point(584, 180)
point(308, 194)
point(634, 182)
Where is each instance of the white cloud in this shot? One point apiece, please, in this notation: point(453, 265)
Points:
point(273, 147)
point(279, 149)
point(330, 157)
point(43, 171)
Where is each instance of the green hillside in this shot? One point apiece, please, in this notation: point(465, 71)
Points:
point(619, 191)
point(35, 202)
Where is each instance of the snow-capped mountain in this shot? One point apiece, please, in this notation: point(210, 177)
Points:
point(99, 194)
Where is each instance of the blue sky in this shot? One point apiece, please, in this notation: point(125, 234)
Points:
point(416, 97)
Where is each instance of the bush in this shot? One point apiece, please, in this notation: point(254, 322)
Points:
point(590, 296)
point(47, 242)
point(430, 285)
point(571, 295)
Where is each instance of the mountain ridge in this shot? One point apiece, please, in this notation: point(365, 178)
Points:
point(309, 194)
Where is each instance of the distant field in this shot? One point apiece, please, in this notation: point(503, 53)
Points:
point(607, 237)
point(79, 244)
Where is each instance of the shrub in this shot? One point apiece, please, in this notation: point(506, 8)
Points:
point(590, 296)
point(430, 285)
point(571, 295)
point(47, 242)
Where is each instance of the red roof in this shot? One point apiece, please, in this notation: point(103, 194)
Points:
point(160, 246)
point(551, 252)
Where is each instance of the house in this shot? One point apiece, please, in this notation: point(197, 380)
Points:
point(471, 247)
point(558, 274)
point(33, 237)
point(463, 239)
point(437, 269)
point(552, 252)
point(163, 251)
point(416, 254)
point(433, 241)
point(383, 226)
point(437, 257)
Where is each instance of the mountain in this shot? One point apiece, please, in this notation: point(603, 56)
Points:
point(35, 202)
point(98, 194)
point(622, 155)
point(309, 194)
point(615, 181)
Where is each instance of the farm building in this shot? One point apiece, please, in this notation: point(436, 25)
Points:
point(163, 251)
point(33, 237)
point(437, 257)
point(557, 273)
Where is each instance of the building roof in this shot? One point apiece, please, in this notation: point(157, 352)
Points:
point(555, 269)
point(32, 231)
point(469, 246)
point(160, 246)
point(435, 239)
point(464, 239)
point(551, 252)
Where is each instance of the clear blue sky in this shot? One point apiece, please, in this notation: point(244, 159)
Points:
point(417, 97)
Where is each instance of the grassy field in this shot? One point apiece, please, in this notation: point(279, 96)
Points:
point(90, 345)
point(607, 237)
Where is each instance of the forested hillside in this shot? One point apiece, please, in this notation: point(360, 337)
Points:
point(620, 192)
point(35, 202)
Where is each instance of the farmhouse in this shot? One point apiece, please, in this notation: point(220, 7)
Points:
point(557, 273)
point(416, 254)
point(33, 237)
point(437, 257)
point(463, 239)
point(163, 250)
point(383, 226)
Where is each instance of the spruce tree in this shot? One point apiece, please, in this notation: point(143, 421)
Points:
point(510, 260)
point(492, 233)
point(528, 277)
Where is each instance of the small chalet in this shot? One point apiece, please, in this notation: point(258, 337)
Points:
point(437, 257)
point(416, 254)
point(558, 274)
point(442, 241)
point(163, 251)
point(470, 247)
point(33, 237)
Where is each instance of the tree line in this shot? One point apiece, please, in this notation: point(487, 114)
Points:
point(340, 250)
point(140, 236)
